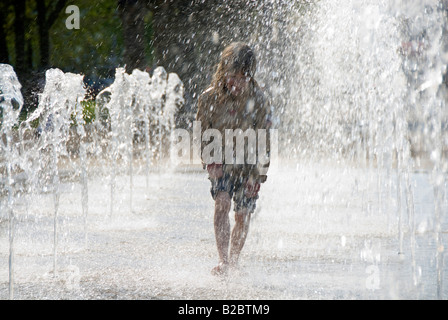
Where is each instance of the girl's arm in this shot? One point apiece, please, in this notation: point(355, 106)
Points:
point(264, 122)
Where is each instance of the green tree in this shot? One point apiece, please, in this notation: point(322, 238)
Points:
point(46, 17)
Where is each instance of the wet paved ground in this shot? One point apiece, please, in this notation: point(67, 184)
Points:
point(319, 232)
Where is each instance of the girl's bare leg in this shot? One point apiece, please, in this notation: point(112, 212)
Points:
point(222, 230)
point(239, 235)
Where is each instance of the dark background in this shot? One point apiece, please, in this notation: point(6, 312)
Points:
point(183, 36)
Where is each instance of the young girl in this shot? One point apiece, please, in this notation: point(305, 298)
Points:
point(233, 101)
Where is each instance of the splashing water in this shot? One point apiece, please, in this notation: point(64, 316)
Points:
point(359, 100)
point(134, 99)
point(60, 99)
point(45, 157)
point(363, 82)
point(11, 102)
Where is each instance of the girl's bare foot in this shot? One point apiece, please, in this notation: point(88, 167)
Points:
point(220, 270)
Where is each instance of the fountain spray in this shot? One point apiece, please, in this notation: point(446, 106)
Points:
point(62, 94)
point(11, 102)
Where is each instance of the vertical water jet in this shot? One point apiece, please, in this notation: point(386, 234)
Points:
point(11, 102)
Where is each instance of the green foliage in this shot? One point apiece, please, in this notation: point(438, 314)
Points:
point(88, 111)
point(96, 47)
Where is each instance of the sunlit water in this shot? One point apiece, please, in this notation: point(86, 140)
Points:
point(356, 209)
point(306, 241)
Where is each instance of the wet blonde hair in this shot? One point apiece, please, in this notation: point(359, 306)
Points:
point(236, 58)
